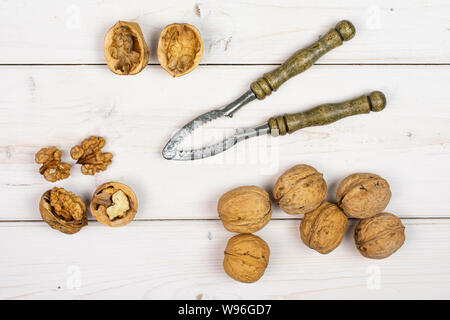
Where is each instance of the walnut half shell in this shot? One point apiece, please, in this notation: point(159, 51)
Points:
point(114, 204)
point(180, 48)
point(126, 51)
point(63, 210)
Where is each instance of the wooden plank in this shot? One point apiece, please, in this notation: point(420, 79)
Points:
point(407, 143)
point(263, 31)
point(183, 260)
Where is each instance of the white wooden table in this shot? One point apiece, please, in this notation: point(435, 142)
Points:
point(57, 90)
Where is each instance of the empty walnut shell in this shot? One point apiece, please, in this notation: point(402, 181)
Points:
point(379, 236)
point(180, 48)
point(63, 210)
point(246, 257)
point(323, 228)
point(114, 204)
point(300, 189)
point(363, 195)
point(126, 52)
point(244, 209)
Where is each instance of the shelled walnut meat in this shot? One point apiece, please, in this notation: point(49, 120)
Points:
point(89, 154)
point(379, 236)
point(126, 51)
point(52, 168)
point(180, 48)
point(245, 209)
point(363, 195)
point(300, 189)
point(63, 210)
point(323, 228)
point(246, 258)
point(114, 204)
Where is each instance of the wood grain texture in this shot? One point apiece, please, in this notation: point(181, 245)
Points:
point(407, 143)
point(183, 260)
point(256, 31)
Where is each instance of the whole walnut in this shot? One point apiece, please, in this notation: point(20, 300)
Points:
point(323, 228)
point(244, 209)
point(246, 257)
point(363, 195)
point(300, 189)
point(63, 210)
point(379, 236)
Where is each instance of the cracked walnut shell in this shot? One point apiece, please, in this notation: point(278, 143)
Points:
point(180, 48)
point(113, 204)
point(363, 195)
point(63, 210)
point(52, 168)
point(379, 236)
point(126, 51)
point(323, 228)
point(244, 209)
point(300, 189)
point(89, 154)
point(246, 258)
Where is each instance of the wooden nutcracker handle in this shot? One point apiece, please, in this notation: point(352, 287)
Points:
point(302, 59)
point(327, 113)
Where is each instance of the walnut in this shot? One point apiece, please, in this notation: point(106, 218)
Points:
point(180, 49)
point(126, 52)
point(300, 189)
point(52, 168)
point(363, 195)
point(379, 236)
point(246, 257)
point(323, 228)
point(113, 204)
point(90, 155)
point(244, 209)
point(63, 210)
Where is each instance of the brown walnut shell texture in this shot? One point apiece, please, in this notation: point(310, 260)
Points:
point(180, 48)
point(300, 189)
point(245, 209)
point(379, 236)
point(126, 52)
point(323, 228)
point(363, 195)
point(246, 258)
point(98, 204)
point(63, 210)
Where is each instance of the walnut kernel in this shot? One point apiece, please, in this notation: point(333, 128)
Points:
point(323, 228)
point(63, 210)
point(300, 189)
point(363, 195)
point(180, 49)
point(246, 257)
point(244, 209)
point(90, 155)
point(379, 236)
point(126, 51)
point(113, 204)
point(52, 168)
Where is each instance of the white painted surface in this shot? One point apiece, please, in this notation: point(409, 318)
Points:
point(60, 105)
point(256, 31)
point(183, 260)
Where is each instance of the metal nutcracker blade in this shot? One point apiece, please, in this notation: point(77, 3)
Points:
point(170, 151)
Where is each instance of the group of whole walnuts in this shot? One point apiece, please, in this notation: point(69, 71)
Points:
point(180, 48)
point(302, 190)
point(113, 204)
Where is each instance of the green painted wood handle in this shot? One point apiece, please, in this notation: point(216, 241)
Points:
point(327, 113)
point(302, 59)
